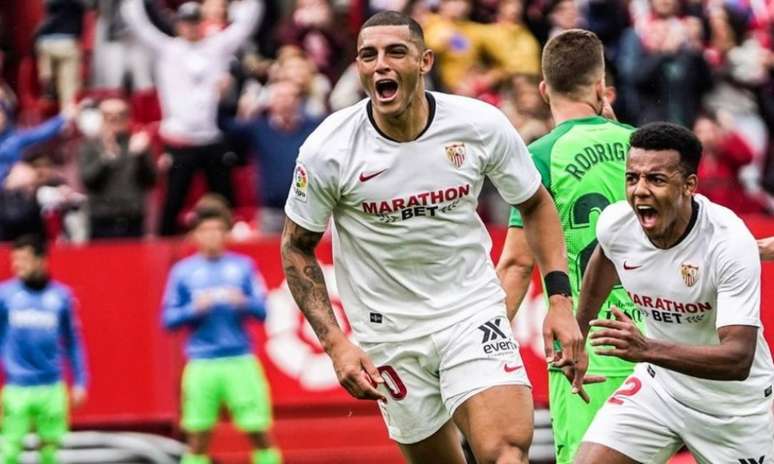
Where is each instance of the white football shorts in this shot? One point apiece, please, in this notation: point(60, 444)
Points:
point(642, 421)
point(427, 378)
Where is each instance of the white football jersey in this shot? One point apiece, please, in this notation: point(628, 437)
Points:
point(710, 279)
point(410, 252)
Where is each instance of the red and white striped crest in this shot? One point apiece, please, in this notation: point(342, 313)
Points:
point(690, 273)
point(456, 153)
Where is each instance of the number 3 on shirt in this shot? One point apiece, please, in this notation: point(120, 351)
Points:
point(629, 388)
point(393, 382)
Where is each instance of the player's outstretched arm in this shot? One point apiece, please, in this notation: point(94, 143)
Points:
point(598, 281)
point(766, 248)
point(514, 268)
point(355, 371)
point(729, 360)
point(544, 235)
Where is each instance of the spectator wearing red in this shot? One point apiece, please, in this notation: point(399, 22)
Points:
point(725, 154)
point(311, 27)
point(188, 69)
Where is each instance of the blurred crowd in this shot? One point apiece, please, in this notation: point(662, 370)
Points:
point(139, 107)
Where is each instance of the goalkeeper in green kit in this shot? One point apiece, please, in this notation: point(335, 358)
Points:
point(582, 163)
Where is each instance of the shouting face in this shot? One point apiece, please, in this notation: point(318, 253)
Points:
point(660, 192)
point(391, 64)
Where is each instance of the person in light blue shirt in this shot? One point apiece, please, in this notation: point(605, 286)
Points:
point(213, 293)
point(38, 330)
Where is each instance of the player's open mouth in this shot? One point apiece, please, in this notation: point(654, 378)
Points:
point(648, 215)
point(386, 90)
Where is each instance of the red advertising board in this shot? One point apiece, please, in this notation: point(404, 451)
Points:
point(135, 365)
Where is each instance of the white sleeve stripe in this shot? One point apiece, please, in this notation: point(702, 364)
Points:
point(526, 193)
point(748, 321)
point(293, 216)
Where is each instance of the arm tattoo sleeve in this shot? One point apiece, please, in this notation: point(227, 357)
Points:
point(305, 278)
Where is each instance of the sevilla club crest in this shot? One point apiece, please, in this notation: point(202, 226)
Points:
point(456, 153)
point(689, 273)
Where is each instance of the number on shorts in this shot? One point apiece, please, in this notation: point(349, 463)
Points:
point(631, 386)
point(393, 382)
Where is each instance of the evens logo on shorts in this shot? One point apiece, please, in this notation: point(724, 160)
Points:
point(495, 339)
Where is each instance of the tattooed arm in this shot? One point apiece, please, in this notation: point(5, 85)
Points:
point(354, 369)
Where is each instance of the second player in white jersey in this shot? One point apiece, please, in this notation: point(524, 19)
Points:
point(709, 280)
point(411, 253)
point(692, 269)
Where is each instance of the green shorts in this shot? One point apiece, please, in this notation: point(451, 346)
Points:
point(570, 416)
point(40, 408)
point(238, 382)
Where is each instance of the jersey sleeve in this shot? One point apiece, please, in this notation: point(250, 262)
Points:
point(739, 279)
point(509, 166)
point(313, 192)
point(70, 328)
point(177, 306)
point(254, 288)
point(540, 156)
point(606, 226)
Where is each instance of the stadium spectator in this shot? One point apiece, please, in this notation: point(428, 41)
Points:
point(510, 43)
point(725, 154)
point(117, 56)
point(525, 108)
point(40, 329)
point(274, 138)
point(312, 28)
point(740, 73)
point(214, 17)
point(20, 211)
point(293, 64)
point(61, 205)
point(213, 293)
point(117, 170)
point(662, 71)
point(458, 46)
point(58, 47)
point(563, 15)
point(188, 70)
point(14, 141)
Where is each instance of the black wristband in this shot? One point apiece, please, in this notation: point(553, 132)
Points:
point(557, 283)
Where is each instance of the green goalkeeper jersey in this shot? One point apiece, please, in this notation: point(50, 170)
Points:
point(582, 163)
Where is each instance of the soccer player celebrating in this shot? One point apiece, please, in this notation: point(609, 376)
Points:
point(582, 163)
point(213, 293)
point(704, 378)
point(38, 327)
point(400, 173)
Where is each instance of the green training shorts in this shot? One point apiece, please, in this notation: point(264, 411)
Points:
point(41, 408)
point(237, 382)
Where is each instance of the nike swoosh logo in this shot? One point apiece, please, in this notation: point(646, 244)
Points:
point(510, 369)
point(629, 268)
point(366, 177)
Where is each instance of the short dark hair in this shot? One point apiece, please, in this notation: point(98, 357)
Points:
point(572, 60)
point(33, 241)
point(211, 206)
point(670, 136)
point(396, 18)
